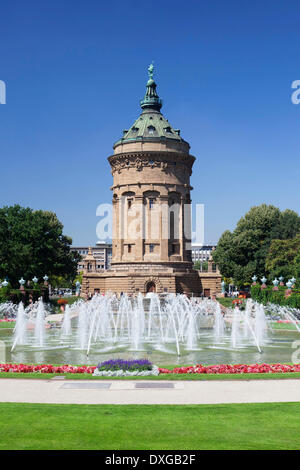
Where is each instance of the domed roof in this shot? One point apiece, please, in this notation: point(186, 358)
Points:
point(151, 124)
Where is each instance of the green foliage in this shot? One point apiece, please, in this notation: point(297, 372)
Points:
point(201, 265)
point(32, 243)
point(80, 276)
point(70, 301)
point(275, 296)
point(16, 295)
point(242, 253)
point(5, 293)
point(284, 258)
point(197, 265)
point(60, 281)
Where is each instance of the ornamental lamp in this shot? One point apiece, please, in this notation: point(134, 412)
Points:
point(263, 280)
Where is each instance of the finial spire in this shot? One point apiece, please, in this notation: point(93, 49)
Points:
point(151, 70)
point(151, 98)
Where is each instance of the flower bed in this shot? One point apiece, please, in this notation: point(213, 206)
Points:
point(234, 369)
point(123, 368)
point(149, 369)
point(287, 321)
point(46, 369)
point(5, 320)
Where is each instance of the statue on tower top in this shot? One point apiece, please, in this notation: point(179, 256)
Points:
point(151, 70)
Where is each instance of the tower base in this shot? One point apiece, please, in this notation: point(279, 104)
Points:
point(141, 279)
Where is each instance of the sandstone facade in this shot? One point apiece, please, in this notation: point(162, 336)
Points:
point(151, 248)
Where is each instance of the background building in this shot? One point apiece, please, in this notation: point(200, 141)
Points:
point(202, 252)
point(102, 253)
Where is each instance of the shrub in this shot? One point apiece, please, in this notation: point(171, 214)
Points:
point(276, 296)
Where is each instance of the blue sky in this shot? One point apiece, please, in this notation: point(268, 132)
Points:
point(76, 70)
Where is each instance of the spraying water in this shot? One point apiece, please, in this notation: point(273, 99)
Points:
point(20, 329)
point(39, 329)
point(66, 329)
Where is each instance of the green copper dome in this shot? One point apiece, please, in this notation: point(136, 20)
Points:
point(151, 125)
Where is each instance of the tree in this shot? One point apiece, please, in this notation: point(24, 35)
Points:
point(32, 243)
point(203, 265)
point(284, 258)
point(242, 253)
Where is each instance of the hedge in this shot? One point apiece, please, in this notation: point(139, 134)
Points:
point(276, 296)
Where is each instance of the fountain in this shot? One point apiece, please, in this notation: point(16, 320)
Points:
point(170, 326)
point(39, 329)
point(219, 324)
point(66, 328)
point(8, 310)
point(33, 315)
point(20, 327)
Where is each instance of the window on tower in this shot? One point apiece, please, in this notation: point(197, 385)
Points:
point(151, 129)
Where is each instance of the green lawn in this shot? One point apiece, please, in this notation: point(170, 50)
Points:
point(282, 326)
point(149, 427)
point(9, 324)
point(225, 301)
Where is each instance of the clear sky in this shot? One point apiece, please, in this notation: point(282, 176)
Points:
point(75, 71)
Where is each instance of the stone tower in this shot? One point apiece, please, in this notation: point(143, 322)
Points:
point(151, 167)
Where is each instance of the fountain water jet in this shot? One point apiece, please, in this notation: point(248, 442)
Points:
point(20, 327)
point(39, 329)
point(66, 329)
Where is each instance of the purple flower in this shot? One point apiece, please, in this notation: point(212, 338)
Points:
point(122, 364)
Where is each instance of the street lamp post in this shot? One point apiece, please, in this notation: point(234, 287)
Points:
point(263, 280)
point(22, 282)
point(223, 285)
point(289, 286)
point(78, 286)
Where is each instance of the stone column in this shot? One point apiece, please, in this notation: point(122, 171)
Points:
point(139, 223)
point(164, 227)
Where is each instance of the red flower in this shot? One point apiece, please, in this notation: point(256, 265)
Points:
point(234, 369)
point(46, 368)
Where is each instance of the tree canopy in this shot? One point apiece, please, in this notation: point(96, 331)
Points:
point(32, 243)
point(242, 253)
point(284, 258)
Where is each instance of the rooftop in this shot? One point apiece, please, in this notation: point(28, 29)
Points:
point(151, 124)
